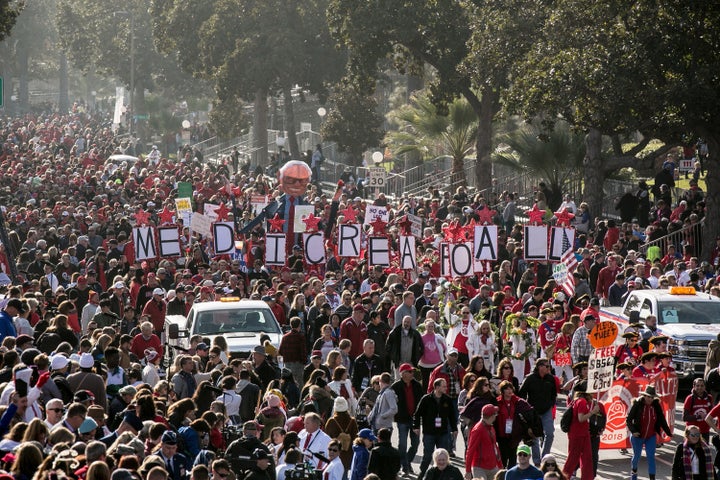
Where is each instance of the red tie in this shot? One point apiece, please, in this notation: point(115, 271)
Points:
point(291, 228)
point(307, 441)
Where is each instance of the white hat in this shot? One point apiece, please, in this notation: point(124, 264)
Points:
point(119, 285)
point(150, 204)
point(58, 361)
point(170, 294)
point(341, 405)
point(159, 291)
point(150, 354)
point(86, 360)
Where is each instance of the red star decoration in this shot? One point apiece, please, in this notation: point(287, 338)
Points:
point(486, 215)
point(564, 217)
point(350, 214)
point(468, 231)
point(166, 216)
point(378, 225)
point(453, 232)
point(222, 212)
point(141, 218)
point(276, 224)
point(535, 215)
point(311, 223)
point(405, 226)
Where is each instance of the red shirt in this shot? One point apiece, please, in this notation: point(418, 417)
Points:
point(579, 429)
point(482, 450)
point(139, 344)
point(357, 334)
point(698, 408)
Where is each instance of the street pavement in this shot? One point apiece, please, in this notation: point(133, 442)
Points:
point(613, 464)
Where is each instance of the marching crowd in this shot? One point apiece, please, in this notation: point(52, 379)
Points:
point(369, 352)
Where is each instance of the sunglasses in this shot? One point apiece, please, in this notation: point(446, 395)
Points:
point(549, 464)
point(333, 450)
point(522, 454)
point(56, 409)
point(507, 368)
point(693, 435)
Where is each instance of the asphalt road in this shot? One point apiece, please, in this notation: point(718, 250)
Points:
point(613, 464)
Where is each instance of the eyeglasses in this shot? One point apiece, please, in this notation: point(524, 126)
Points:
point(522, 454)
point(333, 450)
point(293, 181)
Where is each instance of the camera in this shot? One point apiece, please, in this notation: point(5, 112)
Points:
point(303, 472)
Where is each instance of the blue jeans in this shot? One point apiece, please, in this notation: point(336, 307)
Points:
point(407, 456)
point(637, 445)
point(430, 443)
point(548, 437)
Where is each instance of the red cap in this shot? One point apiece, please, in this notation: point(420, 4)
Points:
point(358, 308)
point(489, 410)
point(406, 367)
point(316, 353)
point(82, 279)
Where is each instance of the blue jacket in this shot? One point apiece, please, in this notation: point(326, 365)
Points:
point(361, 457)
point(7, 327)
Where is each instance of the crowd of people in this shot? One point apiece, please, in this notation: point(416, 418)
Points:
point(369, 354)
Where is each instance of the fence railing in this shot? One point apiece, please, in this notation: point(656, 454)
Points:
point(689, 235)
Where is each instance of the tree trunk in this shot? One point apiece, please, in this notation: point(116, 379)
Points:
point(712, 195)
point(63, 98)
point(593, 173)
point(458, 177)
point(414, 83)
point(292, 141)
point(260, 134)
point(483, 143)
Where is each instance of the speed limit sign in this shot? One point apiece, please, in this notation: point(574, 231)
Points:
point(377, 176)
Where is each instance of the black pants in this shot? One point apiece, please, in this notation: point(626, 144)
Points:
point(507, 451)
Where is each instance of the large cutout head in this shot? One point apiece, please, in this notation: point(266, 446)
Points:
point(294, 178)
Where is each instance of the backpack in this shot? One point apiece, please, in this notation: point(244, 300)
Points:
point(597, 424)
point(344, 438)
point(566, 419)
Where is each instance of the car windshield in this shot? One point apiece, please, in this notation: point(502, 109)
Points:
point(236, 321)
point(703, 313)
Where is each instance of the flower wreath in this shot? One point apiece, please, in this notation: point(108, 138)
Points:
point(530, 344)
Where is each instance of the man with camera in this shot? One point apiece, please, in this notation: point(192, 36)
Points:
point(240, 452)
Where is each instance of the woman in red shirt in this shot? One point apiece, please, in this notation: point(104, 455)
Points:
point(579, 446)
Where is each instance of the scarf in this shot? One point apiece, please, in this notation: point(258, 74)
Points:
point(688, 451)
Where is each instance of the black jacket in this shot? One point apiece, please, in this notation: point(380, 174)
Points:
point(404, 415)
point(363, 368)
point(634, 417)
point(540, 392)
point(430, 408)
point(392, 347)
point(384, 460)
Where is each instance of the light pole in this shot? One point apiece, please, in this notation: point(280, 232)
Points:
point(131, 15)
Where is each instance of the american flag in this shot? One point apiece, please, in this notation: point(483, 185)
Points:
point(570, 261)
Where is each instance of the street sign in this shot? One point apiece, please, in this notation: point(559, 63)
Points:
point(377, 177)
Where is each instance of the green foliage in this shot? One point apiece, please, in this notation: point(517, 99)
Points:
point(227, 119)
point(97, 38)
point(421, 128)
point(352, 120)
point(9, 11)
point(556, 156)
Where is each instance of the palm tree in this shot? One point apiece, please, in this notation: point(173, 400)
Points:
point(422, 128)
point(555, 156)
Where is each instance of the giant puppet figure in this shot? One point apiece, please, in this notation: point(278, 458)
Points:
point(294, 178)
